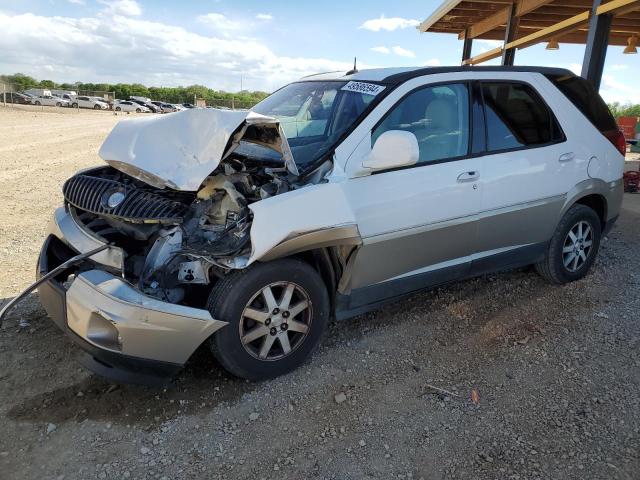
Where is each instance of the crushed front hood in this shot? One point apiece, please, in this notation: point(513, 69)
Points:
point(179, 150)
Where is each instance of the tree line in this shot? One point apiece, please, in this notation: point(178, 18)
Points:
point(124, 90)
point(626, 110)
point(187, 94)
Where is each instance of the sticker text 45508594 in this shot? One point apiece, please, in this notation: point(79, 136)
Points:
point(363, 87)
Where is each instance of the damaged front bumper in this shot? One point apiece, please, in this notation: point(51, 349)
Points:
point(127, 335)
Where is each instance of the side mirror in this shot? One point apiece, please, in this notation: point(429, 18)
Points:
point(393, 149)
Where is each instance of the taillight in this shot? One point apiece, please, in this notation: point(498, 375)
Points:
point(617, 138)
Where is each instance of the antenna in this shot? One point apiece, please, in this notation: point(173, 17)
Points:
point(355, 67)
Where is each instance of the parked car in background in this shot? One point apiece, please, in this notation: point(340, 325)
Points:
point(188, 105)
point(102, 99)
point(66, 96)
point(165, 107)
point(150, 106)
point(62, 93)
point(88, 102)
point(36, 92)
point(129, 106)
point(139, 98)
point(159, 105)
point(169, 107)
point(49, 100)
point(14, 97)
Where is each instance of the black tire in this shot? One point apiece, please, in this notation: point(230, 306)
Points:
point(138, 110)
point(233, 293)
point(58, 104)
point(38, 103)
point(97, 107)
point(74, 105)
point(118, 109)
point(552, 267)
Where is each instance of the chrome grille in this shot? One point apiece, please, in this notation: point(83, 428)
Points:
point(92, 193)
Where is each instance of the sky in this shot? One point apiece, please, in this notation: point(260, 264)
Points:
point(226, 44)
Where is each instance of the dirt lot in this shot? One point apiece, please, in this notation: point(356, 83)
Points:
point(557, 370)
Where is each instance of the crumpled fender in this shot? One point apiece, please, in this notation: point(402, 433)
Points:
point(311, 217)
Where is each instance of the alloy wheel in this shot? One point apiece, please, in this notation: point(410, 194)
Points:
point(577, 246)
point(276, 321)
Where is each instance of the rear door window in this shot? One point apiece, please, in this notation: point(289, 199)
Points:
point(516, 117)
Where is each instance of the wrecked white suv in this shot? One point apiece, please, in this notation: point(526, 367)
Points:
point(244, 232)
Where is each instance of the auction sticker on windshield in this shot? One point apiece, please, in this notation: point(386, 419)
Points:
point(363, 87)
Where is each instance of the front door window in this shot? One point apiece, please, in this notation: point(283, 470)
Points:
point(439, 118)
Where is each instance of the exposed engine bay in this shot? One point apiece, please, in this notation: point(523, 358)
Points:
point(177, 239)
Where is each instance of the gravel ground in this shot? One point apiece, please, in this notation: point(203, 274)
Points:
point(500, 377)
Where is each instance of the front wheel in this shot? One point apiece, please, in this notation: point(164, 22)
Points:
point(138, 110)
point(58, 104)
point(38, 103)
point(573, 247)
point(118, 109)
point(96, 107)
point(277, 313)
point(74, 105)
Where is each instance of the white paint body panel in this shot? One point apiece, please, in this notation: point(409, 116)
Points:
point(530, 174)
point(305, 210)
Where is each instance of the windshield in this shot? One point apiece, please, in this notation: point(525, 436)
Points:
point(314, 115)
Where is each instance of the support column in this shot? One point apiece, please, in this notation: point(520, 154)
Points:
point(508, 56)
point(466, 46)
point(596, 49)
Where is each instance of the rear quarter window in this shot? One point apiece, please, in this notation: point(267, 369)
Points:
point(586, 99)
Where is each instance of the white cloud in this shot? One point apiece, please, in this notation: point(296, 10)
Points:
point(433, 62)
point(218, 21)
point(403, 52)
point(127, 8)
point(619, 66)
point(389, 24)
point(613, 90)
point(385, 50)
point(575, 68)
point(265, 17)
point(488, 43)
point(77, 2)
point(63, 49)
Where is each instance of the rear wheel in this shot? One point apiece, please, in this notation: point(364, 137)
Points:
point(38, 103)
point(138, 110)
point(58, 104)
point(118, 109)
point(573, 247)
point(277, 312)
point(74, 105)
point(96, 107)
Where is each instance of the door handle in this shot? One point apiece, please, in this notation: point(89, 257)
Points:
point(566, 157)
point(468, 176)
